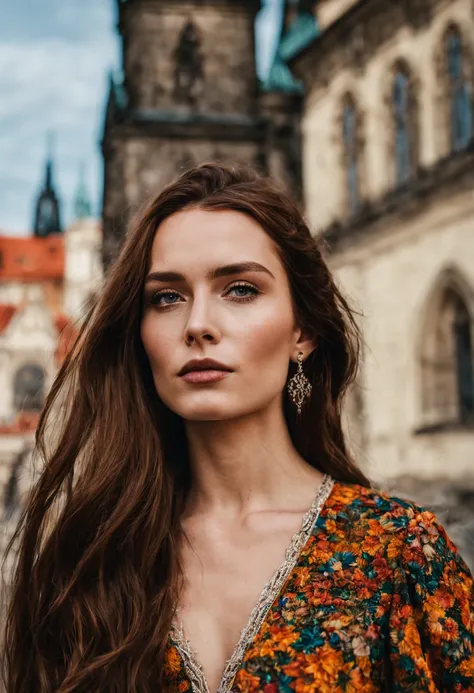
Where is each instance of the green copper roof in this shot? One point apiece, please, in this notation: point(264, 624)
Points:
point(280, 78)
point(303, 30)
point(82, 204)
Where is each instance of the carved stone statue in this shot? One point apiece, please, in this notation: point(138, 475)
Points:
point(189, 74)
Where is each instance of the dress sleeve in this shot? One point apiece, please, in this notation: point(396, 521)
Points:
point(432, 612)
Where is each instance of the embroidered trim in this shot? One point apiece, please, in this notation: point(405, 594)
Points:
point(268, 595)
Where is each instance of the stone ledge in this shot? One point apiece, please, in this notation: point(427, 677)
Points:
point(453, 172)
point(445, 427)
point(190, 126)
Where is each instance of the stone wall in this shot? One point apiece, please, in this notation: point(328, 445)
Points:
point(180, 54)
point(366, 73)
point(405, 252)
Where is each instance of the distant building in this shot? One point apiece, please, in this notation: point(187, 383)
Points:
point(388, 161)
point(47, 216)
point(189, 93)
point(46, 281)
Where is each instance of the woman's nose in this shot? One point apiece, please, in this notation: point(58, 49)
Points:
point(202, 324)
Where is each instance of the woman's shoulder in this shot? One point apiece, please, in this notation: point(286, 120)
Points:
point(363, 504)
point(398, 553)
point(376, 522)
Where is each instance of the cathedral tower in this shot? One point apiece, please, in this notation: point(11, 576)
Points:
point(47, 215)
point(189, 93)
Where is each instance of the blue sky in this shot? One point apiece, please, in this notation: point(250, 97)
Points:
point(54, 59)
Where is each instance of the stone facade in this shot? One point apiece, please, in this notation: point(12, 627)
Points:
point(45, 286)
point(405, 253)
point(190, 94)
point(83, 271)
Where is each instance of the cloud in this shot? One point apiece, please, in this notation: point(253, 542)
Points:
point(53, 67)
point(54, 59)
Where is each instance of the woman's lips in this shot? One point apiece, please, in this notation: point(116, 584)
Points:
point(205, 376)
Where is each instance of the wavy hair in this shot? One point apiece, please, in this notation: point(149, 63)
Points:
point(97, 574)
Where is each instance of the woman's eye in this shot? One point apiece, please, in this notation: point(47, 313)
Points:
point(238, 292)
point(244, 292)
point(156, 299)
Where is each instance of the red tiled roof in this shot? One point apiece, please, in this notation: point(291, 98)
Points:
point(24, 422)
point(31, 258)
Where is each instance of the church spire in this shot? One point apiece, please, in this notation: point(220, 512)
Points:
point(47, 217)
point(82, 203)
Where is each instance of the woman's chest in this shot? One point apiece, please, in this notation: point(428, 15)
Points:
point(319, 633)
point(225, 591)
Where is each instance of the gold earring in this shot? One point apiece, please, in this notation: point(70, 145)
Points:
point(299, 386)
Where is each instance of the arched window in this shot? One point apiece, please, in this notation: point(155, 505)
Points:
point(461, 327)
point(459, 96)
point(29, 389)
point(447, 359)
point(351, 154)
point(403, 116)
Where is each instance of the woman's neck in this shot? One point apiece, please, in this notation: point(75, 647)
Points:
point(246, 465)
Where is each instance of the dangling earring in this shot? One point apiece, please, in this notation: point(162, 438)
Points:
point(299, 386)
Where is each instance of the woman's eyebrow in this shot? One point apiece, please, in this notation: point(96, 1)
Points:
point(224, 271)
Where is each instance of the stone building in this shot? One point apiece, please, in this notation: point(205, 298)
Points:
point(189, 93)
point(388, 169)
point(46, 280)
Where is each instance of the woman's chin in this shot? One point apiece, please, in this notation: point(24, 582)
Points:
point(207, 411)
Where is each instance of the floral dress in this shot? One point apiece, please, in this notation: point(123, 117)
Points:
point(372, 596)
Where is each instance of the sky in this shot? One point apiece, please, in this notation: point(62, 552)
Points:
point(55, 56)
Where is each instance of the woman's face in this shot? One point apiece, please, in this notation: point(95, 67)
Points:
point(216, 289)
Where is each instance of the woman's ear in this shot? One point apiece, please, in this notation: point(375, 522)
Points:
point(305, 344)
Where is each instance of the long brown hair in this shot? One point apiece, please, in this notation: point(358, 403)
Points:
point(98, 573)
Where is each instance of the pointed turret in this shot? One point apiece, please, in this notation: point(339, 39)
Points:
point(47, 214)
point(82, 203)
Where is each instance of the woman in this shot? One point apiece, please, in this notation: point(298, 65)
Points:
point(199, 524)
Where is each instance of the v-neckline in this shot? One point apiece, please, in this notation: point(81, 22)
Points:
point(270, 592)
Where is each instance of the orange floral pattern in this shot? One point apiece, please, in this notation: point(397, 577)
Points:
point(379, 600)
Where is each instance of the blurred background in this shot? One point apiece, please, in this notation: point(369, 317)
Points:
point(362, 109)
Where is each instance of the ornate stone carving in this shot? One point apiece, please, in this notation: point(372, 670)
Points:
point(189, 72)
point(355, 48)
point(418, 13)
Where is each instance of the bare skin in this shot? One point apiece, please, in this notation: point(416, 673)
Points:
point(231, 559)
point(251, 488)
